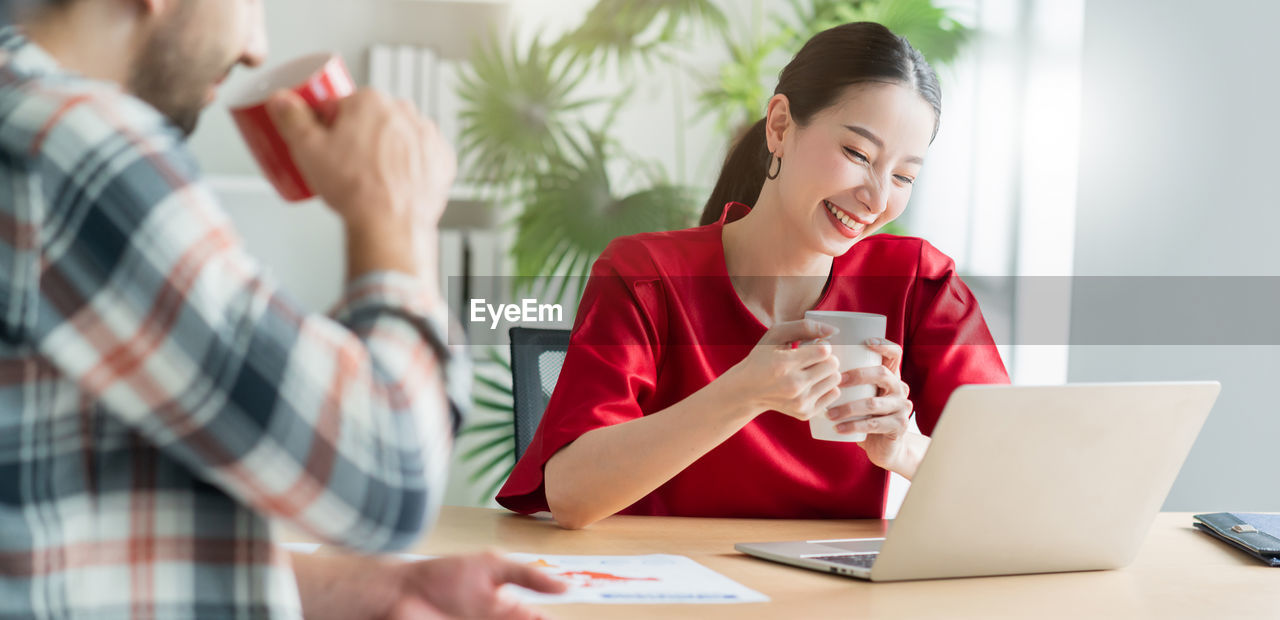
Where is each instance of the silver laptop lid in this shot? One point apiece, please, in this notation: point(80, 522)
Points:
point(1043, 479)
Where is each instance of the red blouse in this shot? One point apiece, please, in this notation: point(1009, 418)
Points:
point(660, 319)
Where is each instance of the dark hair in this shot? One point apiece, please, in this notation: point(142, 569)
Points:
point(829, 63)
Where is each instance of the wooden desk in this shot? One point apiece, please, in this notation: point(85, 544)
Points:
point(1180, 572)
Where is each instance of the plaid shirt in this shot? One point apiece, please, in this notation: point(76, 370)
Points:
point(161, 399)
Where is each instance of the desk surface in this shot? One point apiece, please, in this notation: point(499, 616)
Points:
point(1180, 572)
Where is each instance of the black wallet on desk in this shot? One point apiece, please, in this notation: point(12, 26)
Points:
point(1255, 534)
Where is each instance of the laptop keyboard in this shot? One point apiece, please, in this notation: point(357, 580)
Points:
point(860, 560)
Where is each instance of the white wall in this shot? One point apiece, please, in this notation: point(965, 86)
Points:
point(1177, 169)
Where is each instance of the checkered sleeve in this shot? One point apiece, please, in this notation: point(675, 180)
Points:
point(341, 426)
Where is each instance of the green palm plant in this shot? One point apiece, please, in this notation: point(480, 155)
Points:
point(929, 27)
point(629, 29)
point(743, 86)
point(740, 91)
point(517, 108)
point(491, 424)
point(572, 213)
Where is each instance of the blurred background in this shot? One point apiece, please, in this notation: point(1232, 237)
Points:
point(1102, 138)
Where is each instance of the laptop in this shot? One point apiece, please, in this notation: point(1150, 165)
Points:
point(1027, 479)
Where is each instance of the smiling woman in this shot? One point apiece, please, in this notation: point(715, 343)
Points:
point(851, 165)
point(683, 391)
point(811, 84)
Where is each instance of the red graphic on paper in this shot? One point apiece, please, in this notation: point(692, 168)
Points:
point(587, 578)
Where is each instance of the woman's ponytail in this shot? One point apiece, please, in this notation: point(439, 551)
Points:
point(742, 175)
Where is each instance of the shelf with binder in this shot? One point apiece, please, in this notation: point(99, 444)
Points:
point(423, 76)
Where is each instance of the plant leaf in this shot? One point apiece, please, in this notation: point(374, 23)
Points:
point(930, 28)
point(487, 446)
point(493, 462)
point(487, 426)
point(516, 103)
point(495, 356)
point(628, 30)
point(491, 404)
point(493, 385)
point(571, 214)
point(497, 483)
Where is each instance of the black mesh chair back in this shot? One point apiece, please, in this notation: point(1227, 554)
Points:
point(536, 358)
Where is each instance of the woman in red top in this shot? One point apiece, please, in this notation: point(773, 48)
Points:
point(683, 393)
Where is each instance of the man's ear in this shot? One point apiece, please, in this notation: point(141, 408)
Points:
point(777, 123)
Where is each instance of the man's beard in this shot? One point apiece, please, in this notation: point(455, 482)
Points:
point(173, 78)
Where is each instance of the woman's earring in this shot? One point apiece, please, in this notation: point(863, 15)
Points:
point(771, 173)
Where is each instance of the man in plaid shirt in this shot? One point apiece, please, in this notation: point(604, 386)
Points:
point(161, 400)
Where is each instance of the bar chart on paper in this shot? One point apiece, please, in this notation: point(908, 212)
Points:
point(617, 579)
point(632, 579)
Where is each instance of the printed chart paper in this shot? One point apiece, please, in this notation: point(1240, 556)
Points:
point(618, 579)
point(632, 579)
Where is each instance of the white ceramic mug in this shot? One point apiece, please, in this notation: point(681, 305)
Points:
point(848, 346)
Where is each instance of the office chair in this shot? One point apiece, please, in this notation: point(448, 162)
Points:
point(536, 358)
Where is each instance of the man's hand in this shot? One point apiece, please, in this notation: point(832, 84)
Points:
point(384, 169)
point(358, 587)
point(468, 587)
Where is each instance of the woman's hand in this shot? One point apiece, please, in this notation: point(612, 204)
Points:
point(883, 417)
point(798, 380)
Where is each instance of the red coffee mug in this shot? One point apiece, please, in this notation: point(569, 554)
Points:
point(317, 78)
